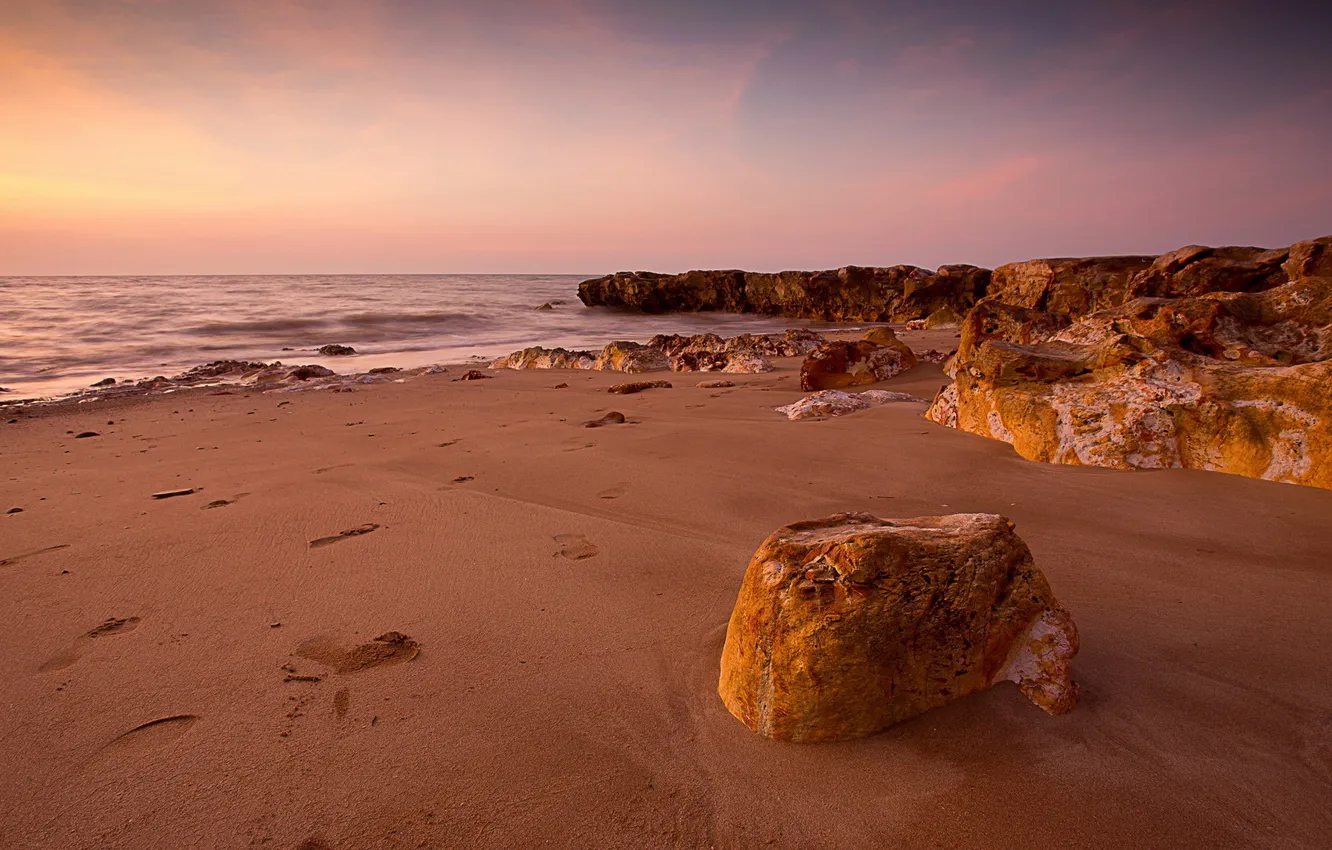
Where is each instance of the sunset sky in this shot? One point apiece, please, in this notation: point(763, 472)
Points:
point(586, 136)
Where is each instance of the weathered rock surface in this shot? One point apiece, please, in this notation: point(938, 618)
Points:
point(852, 293)
point(745, 353)
point(944, 317)
point(631, 357)
point(1073, 287)
point(1226, 381)
point(546, 358)
point(836, 365)
point(829, 403)
point(1066, 286)
point(336, 350)
point(848, 624)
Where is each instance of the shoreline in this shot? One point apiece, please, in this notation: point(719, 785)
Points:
point(568, 589)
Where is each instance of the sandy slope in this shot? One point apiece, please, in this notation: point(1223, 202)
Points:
point(559, 701)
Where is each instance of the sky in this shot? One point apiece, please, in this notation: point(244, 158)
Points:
point(589, 136)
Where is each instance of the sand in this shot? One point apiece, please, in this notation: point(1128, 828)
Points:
point(191, 672)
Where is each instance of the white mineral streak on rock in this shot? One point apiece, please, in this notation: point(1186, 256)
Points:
point(827, 403)
point(1040, 657)
point(1290, 459)
point(1124, 423)
point(944, 408)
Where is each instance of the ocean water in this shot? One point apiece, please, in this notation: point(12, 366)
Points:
point(61, 334)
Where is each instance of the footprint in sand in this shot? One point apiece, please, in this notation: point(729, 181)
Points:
point(341, 703)
point(343, 535)
point(14, 559)
point(576, 547)
point(388, 648)
point(66, 657)
point(614, 492)
point(152, 733)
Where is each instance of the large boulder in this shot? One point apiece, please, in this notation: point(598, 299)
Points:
point(1066, 286)
point(546, 358)
point(1197, 270)
point(838, 365)
point(1231, 382)
point(1312, 258)
point(623, 356)
point(849, 624)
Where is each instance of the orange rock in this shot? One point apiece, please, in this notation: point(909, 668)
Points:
point(1228, 381)
point(837, 365)
point(848, 624)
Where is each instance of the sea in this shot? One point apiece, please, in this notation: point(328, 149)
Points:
point(58, 335)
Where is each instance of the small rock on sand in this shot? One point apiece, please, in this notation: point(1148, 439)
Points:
point(336, 350)
point(84, 434)
point(105, 382)
point(638, 387)
point(384, 370)
point(614, 417)
point(167, 494)
point(14, 511)
point(474, 375)
point(714, 385)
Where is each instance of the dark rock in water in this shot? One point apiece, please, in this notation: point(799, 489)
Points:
point(86, 434)
point(638, 387)
point(852, 293)
point(336, 350)
point(384, 370)
point(1072, 287)
point(474, 375)
point(105, 382)
point(546, 306)
point(614, 417)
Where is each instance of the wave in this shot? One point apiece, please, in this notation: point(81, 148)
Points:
point(407, 318)
point(209, 328)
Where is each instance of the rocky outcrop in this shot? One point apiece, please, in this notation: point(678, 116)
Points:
point(828, 403)
point(1072, 287)
point(849, 624)
point(1226, 381)
point(336, 350)
point(837, 365)
point(746, 353)
point(1066, 286)
point(546, 358)
point(852, 293)
point(622, 356)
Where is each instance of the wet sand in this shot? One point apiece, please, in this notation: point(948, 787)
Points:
point(180, 675)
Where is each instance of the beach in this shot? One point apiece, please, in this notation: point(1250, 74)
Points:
point(184, 672)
